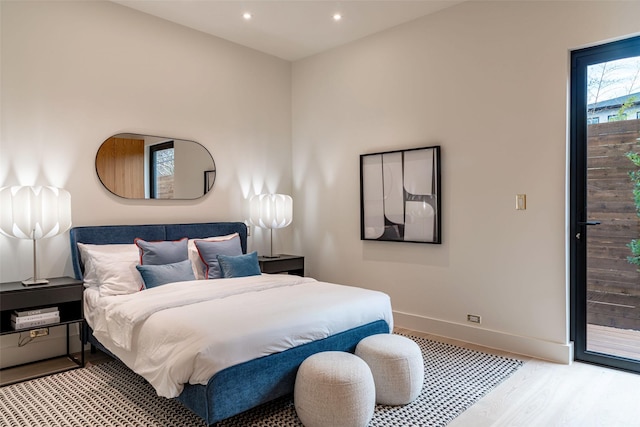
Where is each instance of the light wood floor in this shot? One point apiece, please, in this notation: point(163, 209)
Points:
point(618, 342)
point(545, 394)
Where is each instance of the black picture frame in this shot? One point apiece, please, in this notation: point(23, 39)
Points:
point(400, 196)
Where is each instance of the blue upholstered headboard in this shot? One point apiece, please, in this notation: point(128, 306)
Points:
point(111, 234)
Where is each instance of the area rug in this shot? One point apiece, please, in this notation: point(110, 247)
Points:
point(111, 395)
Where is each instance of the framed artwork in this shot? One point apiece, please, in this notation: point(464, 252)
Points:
point(400, 195)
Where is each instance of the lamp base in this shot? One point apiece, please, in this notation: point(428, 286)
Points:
point(271, 256)
point(34, 282)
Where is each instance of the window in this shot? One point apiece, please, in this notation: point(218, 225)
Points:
point(161, 167)
point(617, 117)
point(593, 120)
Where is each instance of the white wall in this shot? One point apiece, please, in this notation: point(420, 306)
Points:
point(488, 81)
point(75, 73)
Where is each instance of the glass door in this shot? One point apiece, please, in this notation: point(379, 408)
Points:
point(605, 216)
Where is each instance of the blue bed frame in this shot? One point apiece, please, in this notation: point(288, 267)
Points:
point(240, 387)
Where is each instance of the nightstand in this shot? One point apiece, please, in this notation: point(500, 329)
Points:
point(291, 264)
point(65, 293)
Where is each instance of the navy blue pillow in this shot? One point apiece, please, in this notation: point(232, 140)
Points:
point(156, 275)
point(239, 266)
point(162, 252)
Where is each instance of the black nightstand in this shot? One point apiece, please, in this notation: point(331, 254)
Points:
point(291, 264)
point(65, 293)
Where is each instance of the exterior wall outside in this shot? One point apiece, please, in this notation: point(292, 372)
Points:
point(507, 65)
point(602, 116)
point(608, 110)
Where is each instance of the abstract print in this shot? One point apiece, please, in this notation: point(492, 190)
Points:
point(400, 193)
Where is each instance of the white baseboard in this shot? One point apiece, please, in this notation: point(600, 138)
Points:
point(52, 345)
point(528, 346)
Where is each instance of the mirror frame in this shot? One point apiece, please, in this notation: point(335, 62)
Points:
point(102, 156)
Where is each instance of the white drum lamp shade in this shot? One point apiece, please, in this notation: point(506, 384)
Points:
point(271, 211)
point(34, 213)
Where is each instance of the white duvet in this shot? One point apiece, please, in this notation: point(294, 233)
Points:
point(185, 332)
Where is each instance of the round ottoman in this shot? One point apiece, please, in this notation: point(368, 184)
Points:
point(397, 367)
point(334, 389)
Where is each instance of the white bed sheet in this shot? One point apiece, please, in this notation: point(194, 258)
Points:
point(170, 341)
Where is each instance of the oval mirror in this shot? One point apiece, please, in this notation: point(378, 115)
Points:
point(151, 167)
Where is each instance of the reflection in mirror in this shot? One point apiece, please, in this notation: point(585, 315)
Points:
point(150, 167)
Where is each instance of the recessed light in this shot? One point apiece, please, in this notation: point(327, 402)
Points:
point(247, 16)
point(337, 17)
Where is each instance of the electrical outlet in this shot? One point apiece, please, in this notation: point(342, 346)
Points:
point(473, 318)
point(42, 332)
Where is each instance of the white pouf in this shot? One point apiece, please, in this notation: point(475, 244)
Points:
point(397, 367)
point(334, 389)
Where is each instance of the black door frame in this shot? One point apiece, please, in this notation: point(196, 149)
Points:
point(580, 60)
point(153, 169)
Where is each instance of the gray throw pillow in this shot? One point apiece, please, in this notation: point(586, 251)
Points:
point(162, 252)
point(209, 252)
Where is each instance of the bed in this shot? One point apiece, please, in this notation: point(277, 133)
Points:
point(239, 381)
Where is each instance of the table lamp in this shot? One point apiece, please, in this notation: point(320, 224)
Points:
point(271, 211)
point(34, 212)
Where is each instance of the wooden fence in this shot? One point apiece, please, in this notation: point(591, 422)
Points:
point(613, 284)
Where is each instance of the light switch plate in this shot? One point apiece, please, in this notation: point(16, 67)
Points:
point(521, 202)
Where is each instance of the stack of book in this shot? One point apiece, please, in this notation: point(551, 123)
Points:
point(34, 318)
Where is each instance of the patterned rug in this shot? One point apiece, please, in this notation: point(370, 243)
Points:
point(110, 394)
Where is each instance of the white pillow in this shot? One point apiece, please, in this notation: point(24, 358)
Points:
point(89, 253)
point(112, 268)
point(199, 267)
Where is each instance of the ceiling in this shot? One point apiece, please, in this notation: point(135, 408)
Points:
point(290, 30)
